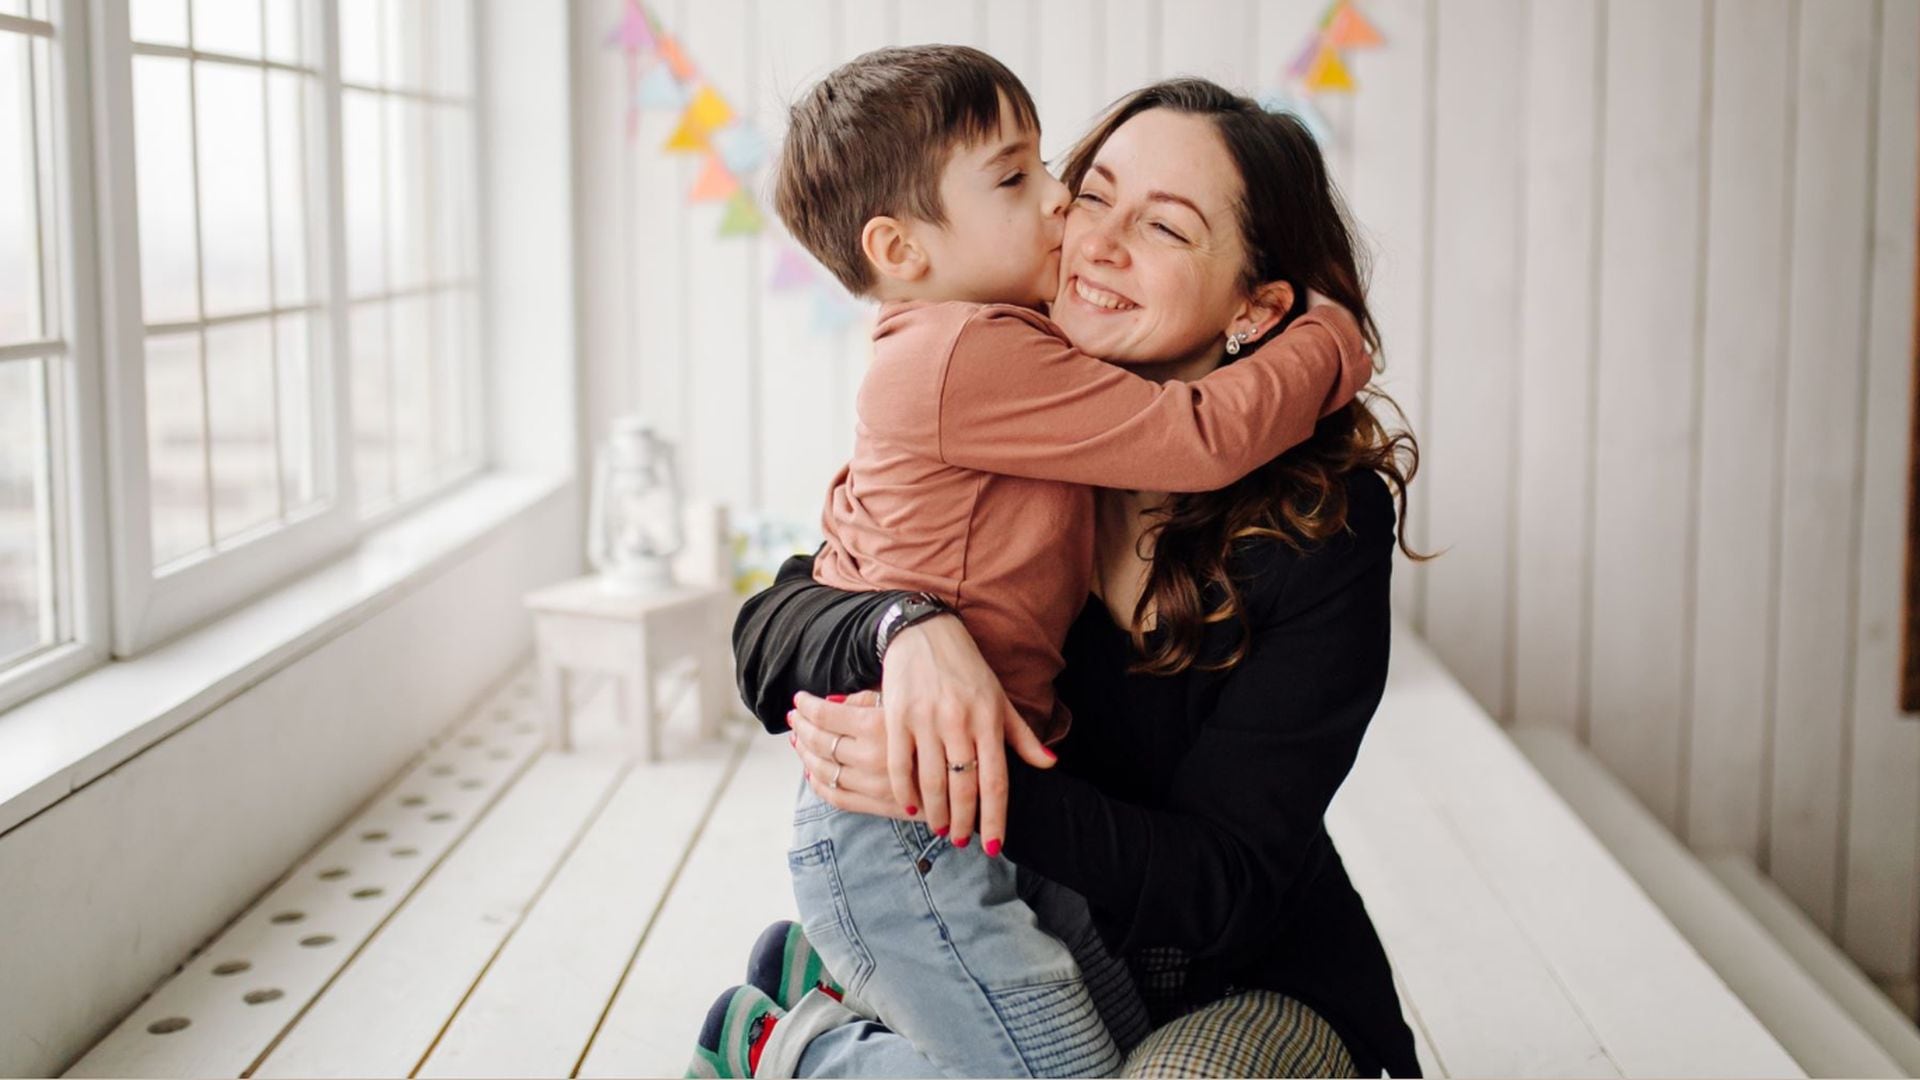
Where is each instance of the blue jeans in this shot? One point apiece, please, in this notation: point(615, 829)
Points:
point(963, 964)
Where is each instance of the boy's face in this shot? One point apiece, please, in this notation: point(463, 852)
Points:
point(1005, 216)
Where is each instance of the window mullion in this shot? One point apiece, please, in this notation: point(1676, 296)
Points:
point(200, 283)
point(273, 283)
point(345, 484)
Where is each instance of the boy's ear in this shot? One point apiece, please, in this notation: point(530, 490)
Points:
point(1265, 308)
point(892, 250)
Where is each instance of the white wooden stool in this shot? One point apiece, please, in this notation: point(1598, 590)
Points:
point(580, 627)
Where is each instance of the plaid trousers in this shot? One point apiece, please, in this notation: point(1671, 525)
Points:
point(1249, 1033)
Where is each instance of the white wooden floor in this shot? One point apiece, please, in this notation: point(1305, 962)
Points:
point(502, 910)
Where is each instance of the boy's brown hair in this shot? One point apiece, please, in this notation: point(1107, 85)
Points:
point(873, 137)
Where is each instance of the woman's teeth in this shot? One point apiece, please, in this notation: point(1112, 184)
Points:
point(1099, 297)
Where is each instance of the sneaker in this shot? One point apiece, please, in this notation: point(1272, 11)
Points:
point(784, 966)
point(735, 1031)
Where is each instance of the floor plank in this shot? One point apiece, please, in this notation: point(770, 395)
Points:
point(734, 883)
point(383, 1013)
point(536, 1008)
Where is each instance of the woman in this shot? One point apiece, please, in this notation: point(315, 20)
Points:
point(1238, 647)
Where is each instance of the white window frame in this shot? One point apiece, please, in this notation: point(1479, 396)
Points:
point(72, 363)
point(149, 606)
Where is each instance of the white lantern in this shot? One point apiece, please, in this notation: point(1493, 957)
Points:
point(633, 525)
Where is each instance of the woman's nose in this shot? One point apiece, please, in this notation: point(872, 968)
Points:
point(1100, 245)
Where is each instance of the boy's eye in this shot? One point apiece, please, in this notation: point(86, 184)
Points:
point(1014, 180)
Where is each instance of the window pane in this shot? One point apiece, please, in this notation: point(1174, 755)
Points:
point(453, 200)
point(233, 187)
point(372, 399)
point(163, 141)
point(452, 48)
point(227, 26)
point(453, 373)
point(413, 404)
point(297, 466)
point(407, 193)
point(26, 561)
point(287, 99)
point(404, 49)
point(19, 229)
point(242, 403)
point(286, 31)
point(175, 448)
point(160, 22)
point(366, 212)
point(360, 23)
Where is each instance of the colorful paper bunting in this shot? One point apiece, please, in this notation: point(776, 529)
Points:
point(660, 90)
point(669, 50)
point(743, 216)
point(791, 270)
point(715, 184)
point(832, 311)
point(1351, 30)
point(688, 138)
point(709, 110)
point(633, 35)
point(1303, 61)
point(1329, 74)
point(741, 146)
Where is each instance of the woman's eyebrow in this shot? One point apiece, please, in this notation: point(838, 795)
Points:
point(1159, 196)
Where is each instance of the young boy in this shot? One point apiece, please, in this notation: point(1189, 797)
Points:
point(914, 176)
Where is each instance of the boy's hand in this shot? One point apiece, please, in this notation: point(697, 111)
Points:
point(945, 706)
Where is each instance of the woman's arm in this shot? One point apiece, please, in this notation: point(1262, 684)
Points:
point(1211, 870)
point(797, 634)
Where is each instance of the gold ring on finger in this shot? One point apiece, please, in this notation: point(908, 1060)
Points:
point(835, 782)
point(962, 766)
point(834, 750)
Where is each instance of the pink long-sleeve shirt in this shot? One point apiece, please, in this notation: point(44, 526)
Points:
point(982, 433)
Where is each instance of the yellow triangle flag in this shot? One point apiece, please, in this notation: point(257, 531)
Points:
point(1351, 30)
point(709, 110)
point(1328, 73)
point(716, 184)
point(687, 138)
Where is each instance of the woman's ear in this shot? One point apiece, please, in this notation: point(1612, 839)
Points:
point(1265, 308)
point(892, 250)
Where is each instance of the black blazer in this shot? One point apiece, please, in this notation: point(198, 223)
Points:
point(1188, 810)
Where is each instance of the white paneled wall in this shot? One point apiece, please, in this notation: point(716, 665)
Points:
point(1645, 271)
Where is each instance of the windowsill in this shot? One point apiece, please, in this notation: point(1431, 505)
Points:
point(56, 743)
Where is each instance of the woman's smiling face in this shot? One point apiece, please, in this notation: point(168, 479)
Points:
point(1153, 261)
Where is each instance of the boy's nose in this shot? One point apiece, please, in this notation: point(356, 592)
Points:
point(1057, 198)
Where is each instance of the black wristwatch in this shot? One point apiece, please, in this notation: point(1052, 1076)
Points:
point(902, 613)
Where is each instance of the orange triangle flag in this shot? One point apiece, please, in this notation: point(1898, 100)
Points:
point(1328, 73)
point(1351, 30)
point(687, 138)
point(716, 184)
point(676, 60)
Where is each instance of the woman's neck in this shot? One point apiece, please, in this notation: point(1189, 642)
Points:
point(1121, 561)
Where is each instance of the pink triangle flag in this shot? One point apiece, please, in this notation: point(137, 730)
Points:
point(790, 271)
point(633, 34)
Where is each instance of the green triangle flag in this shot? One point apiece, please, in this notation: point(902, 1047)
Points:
point(743, 217)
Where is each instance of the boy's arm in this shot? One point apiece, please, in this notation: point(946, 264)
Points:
point(1022, 401)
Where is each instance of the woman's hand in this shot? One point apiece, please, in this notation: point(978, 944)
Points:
point(944, 704)
point(845, 741)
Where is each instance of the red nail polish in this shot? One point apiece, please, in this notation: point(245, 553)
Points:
point(809, 775)
point(1051, 756)
point(836, 698)
point(993, 848)
point(941, 831)
point(962, 842)
point(792, 739)
point(789, 717)
point(912, 810)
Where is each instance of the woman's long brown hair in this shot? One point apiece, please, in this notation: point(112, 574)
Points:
point(1296, 230)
